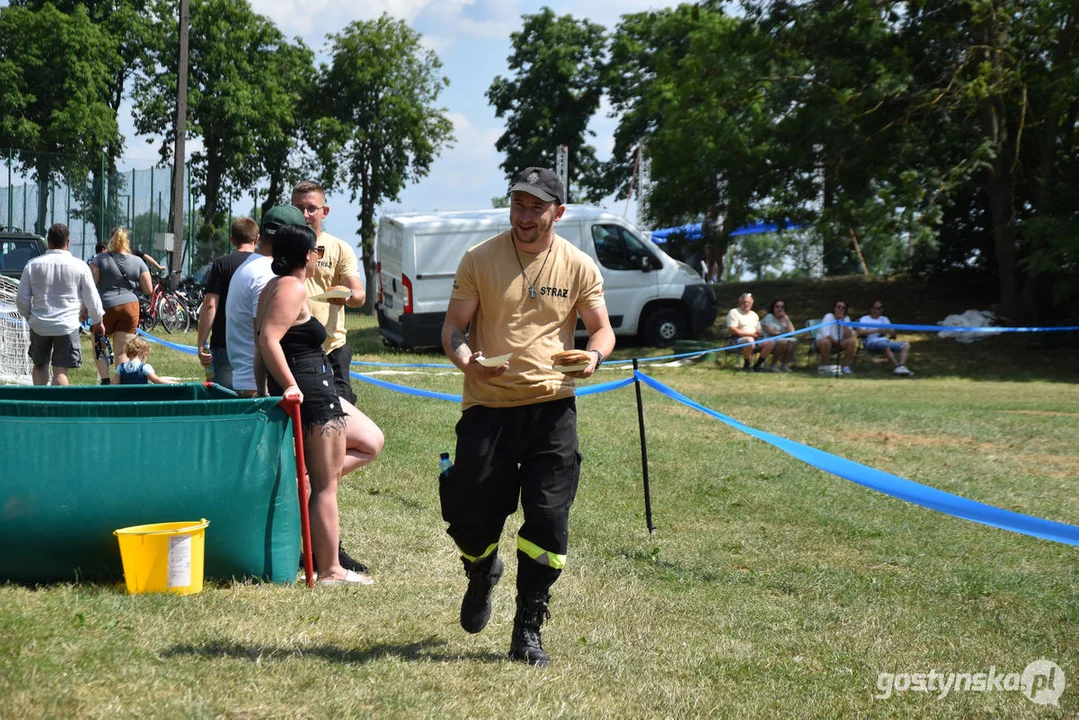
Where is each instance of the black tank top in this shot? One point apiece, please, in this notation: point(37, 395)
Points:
point(304, 340)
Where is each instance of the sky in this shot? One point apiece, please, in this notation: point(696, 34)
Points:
point(472, 39)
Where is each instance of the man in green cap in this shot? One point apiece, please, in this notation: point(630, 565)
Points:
point(244, 290)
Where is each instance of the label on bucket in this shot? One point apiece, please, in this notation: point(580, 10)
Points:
point(180, 561)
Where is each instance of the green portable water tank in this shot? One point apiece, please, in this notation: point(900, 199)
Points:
point(77, 463)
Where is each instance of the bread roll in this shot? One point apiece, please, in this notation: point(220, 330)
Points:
point(571, 357)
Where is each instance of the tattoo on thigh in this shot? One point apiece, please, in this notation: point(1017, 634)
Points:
point(333, 426)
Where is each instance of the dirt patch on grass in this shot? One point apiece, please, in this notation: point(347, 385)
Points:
point(1050, 413)
point(903, 439)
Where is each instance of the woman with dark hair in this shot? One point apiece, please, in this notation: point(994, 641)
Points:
point(777, 322)
point(289, 344)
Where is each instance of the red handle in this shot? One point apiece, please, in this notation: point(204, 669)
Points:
point(292, 407)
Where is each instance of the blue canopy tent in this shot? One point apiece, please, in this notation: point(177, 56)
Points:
point(692, 231)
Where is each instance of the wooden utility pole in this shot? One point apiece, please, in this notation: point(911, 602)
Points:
point(858, 251)
point(176, 209)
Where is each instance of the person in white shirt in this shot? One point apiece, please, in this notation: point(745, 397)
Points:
point(884, 340)
point(245, 287)
point(745, 326)
point(52, 290)
point(830, 335)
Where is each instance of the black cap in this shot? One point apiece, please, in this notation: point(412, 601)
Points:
point(541, 182)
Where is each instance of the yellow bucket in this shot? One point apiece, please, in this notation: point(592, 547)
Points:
point(163, 557)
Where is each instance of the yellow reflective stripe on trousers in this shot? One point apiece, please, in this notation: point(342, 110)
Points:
point(490, 549)
point(543, 557)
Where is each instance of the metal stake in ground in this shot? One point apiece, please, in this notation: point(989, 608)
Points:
point(644, 452)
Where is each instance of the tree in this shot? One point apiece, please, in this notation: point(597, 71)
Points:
point(243, 89)
point(377, 126)
point(129, 29)
point(54, 76)
point(941, 133)
point(549, 102)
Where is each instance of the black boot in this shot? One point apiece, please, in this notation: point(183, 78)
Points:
point(483, 575)
point(526, 644)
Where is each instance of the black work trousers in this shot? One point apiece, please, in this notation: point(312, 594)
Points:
point(529, 451)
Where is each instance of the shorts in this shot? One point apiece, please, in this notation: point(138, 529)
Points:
point(122, 318)
point(315, 379)
point(62, 351)
point(880, 343)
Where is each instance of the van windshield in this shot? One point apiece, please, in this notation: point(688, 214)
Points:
point(618, 249)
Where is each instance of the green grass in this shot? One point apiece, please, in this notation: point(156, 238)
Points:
point(769, 588)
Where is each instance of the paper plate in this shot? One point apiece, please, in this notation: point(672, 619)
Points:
point(497, 361)
point(334, 294)
point(571, 368)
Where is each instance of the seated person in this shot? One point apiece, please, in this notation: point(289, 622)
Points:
point(745, 327)
point(777, 322)
point(137, 371)
point(830, 335)
point(884, 340)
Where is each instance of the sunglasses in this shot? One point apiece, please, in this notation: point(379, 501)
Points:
point(321, 250)
point(878, 307)
point(840, 307)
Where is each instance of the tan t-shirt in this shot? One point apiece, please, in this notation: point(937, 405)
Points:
point(533, 329)
point(338, 263)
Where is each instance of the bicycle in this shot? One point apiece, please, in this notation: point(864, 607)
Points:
point(164, 306)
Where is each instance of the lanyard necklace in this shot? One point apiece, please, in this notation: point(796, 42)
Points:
point(531, 287)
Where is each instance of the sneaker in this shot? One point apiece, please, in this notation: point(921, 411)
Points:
point(902, 370)
point(350, 578)
point(476, 604)
point(826, 369)
point(747, 368)
point(785, 368)
point(847, 370)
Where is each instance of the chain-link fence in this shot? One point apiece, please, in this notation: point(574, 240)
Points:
point(37, 190)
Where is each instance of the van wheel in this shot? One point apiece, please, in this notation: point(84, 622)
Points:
point(664, 326)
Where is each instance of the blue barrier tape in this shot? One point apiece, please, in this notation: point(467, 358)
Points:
point(724, 348)
point(404, 388)
point(189, 349)
point(892, 485)
point(603, 387)
point(988, 329)
point(581, 392)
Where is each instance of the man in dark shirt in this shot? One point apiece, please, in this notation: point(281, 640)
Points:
point(212, 349)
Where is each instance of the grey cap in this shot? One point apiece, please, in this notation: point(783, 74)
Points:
point(541, 182)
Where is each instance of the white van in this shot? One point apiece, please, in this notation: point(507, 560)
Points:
point(648, 293)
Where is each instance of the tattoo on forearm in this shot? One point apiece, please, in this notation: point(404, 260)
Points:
point(457, 340)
